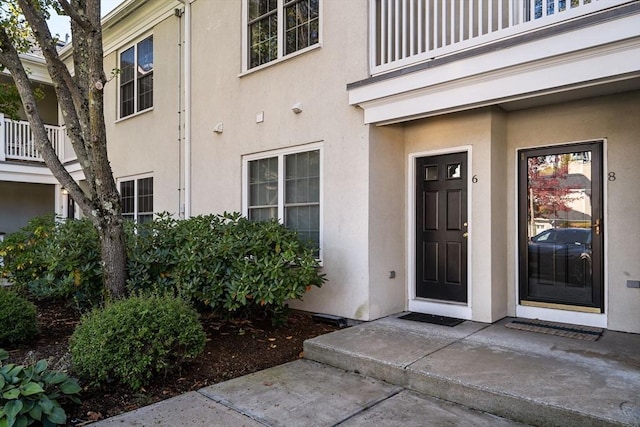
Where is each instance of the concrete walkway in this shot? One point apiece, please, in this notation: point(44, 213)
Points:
point(394, 372)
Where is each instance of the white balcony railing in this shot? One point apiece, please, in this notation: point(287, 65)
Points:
point(405, 32)
point(16, 141)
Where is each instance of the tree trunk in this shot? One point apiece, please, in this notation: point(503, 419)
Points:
point(112, 249)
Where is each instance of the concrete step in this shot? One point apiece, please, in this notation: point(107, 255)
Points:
point(532, 378)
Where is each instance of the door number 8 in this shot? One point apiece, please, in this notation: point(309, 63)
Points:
point(611, 176)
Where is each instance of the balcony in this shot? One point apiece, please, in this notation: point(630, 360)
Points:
point(16, 142)
point(433, 57)
point(406, 32)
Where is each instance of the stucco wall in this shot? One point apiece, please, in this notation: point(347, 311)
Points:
point(317, 79)
point(148, 143)
point(613, 118)
point(387, 219)
point(21, 202)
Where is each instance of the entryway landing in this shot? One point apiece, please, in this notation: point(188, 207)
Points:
point(533, 378)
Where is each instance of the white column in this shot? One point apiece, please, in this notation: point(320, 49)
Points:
point(58, 202)
point(3, 155)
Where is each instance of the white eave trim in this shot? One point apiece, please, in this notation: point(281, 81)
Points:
point(606, 51)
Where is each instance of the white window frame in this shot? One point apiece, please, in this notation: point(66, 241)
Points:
point(280, 154)
point(133, 44)
point(281, 56)
point(135, 179)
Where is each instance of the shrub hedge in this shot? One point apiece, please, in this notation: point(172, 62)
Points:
point(225, 262)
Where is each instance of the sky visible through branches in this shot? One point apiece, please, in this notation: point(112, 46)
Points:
point(60, 24)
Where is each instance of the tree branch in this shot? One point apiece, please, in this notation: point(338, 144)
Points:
point(78, 18)
point(10, 59)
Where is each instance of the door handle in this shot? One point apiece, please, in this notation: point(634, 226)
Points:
point(596, 227)
point(465, 234)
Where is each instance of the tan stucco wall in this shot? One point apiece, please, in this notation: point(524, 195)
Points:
point(317, 79)
point(148, 143)
point(387, 219)
point(614, 118)
point(20, 202)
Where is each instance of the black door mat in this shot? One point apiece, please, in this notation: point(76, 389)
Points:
point(431, 318)
point(579, 332)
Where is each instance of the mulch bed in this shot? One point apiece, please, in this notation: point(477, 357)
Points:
point(233, 349)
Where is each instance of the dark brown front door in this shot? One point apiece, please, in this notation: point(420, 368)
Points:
point(560, 227)
point(441, 227)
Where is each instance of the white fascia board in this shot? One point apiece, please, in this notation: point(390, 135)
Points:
point(582, 69)
point(598, 35)
point(36, 174)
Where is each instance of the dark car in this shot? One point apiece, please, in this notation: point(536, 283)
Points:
point(561, 256)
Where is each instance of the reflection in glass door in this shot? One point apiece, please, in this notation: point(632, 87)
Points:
point(560, 226)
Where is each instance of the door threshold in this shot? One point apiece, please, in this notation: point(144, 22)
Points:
point(554, 314)
point(557, 306)
point(440, 308)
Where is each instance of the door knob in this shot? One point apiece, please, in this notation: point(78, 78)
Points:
point(465, 234)
point(596, 227)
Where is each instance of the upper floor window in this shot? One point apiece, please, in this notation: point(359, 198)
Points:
point(136, 78)
point(277, 28)
point(137, 199)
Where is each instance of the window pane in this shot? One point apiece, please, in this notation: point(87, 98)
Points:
point(127, 73)
point(145, 196)
point(145, 92)
point(145, 56)
point(127, 67)
point(263, 182)
point(127, 105)
point(301, 25)
point(128, 197)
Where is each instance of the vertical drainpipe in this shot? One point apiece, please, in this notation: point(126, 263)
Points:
point(187, 108)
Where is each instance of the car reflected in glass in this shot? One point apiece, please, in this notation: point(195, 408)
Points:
point(561, 256)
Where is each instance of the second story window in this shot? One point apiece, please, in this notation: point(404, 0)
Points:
point(136, 78)
point(277, 28)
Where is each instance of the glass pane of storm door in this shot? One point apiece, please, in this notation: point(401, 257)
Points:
point(559, 227)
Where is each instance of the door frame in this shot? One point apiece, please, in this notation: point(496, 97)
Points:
point(421, 305)
point(598, 320)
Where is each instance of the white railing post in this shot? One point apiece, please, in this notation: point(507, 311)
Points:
point(3, 154)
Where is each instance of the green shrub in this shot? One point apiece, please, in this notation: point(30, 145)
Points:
point(30, 394)
point(55, 260)
point(24, 254)
point(223, 261)
point(131, 341)
point(17, 318)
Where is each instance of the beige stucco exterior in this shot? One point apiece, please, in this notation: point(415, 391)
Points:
point(209, 116)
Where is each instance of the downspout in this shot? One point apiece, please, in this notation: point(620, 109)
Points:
point(187, 107)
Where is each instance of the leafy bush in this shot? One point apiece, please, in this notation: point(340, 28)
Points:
point(30, 394)
point(24, 254)
point(223, 261)
point(47, 260)
point(17, 318)
point(130, 341)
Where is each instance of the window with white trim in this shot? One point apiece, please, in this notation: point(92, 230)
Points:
point(136, 78)
point(286, 186)
point(277, 28)
point(136, 196)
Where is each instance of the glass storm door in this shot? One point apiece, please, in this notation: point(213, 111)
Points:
point(441, 227)
point(560, 227)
